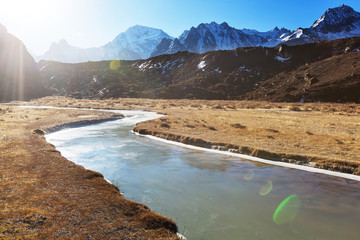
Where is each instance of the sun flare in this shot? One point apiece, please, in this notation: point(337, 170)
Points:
point(25, 9)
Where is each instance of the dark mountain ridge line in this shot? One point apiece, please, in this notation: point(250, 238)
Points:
point(226, 74)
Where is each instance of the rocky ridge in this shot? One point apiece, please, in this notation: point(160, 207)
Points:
point(335, 23)
point(243, 73)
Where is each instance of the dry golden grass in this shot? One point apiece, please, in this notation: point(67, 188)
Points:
point(324, 135)
point(309, 138)
point(45, 196)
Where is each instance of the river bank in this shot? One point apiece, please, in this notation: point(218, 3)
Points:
point(321, 135)
point(45, 196)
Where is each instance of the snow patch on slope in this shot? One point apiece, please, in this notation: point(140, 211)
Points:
point(281, 59)
point(201, 65)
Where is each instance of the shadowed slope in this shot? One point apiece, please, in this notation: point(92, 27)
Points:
point(19, 75)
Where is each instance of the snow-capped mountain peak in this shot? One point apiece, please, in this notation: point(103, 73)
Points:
point(135, 43)
point(271, 37)
point(140, 42)
point(335, 23)
point(213, 36)
point(335, 18)
point(140, 39)
point(209, 37)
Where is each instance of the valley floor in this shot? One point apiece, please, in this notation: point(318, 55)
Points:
point(45, 196)
point(323, 135)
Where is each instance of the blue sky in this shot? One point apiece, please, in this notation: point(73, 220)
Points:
point(92, 23)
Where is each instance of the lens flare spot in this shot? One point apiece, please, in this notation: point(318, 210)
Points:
point(249, 174)
point(115, 64)
point(266, 189)
point(287, 210)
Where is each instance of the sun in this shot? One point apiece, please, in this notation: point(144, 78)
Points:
point(22, 10)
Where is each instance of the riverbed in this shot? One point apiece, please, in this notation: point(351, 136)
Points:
point(211, 196)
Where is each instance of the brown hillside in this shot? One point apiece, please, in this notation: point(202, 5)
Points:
point(336, 79)
point(235, 74)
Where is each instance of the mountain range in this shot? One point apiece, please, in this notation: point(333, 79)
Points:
point(320, 71)
point(137, 42)
point(140, 42)
point(335, 23)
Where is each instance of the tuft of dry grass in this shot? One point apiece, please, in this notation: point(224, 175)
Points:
point(238, 125)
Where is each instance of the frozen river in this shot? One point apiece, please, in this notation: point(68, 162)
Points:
point(212, 196)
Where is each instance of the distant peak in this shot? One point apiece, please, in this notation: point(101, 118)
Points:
point(176, 41)
point(338, 15)
point(225, 24)
point(213, 24)
point(138, 26)
point(208, 24)
point(200, 25)
point(140, 30)
point(63, 42)
point(341, 8)
point(275, 29)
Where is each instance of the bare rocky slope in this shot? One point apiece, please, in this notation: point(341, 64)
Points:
point(322, 71)
point(336, 78)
